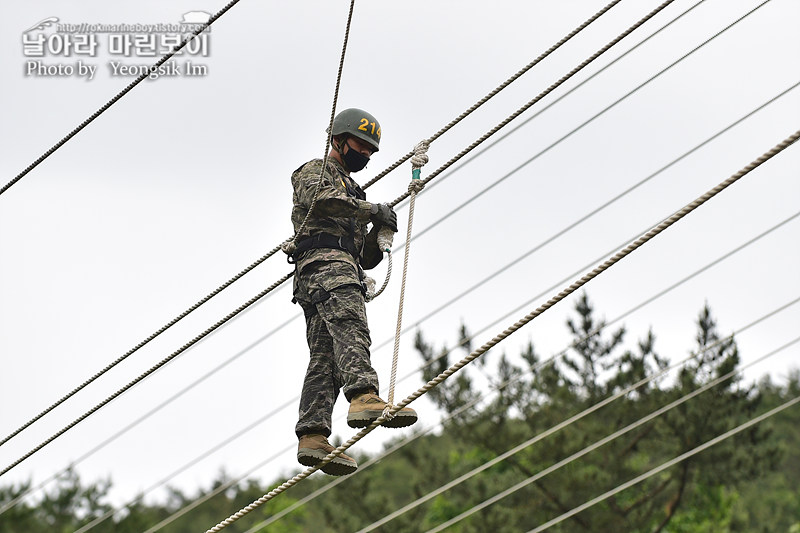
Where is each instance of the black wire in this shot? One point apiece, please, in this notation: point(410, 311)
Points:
point(119, 95)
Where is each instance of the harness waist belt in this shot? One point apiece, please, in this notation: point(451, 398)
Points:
point(326, 240)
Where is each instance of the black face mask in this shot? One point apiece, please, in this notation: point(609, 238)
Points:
point(353, 159)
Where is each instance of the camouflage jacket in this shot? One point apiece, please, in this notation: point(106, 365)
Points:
point(341, 208)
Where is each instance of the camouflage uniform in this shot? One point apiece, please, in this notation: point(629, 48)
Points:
point(327, 284)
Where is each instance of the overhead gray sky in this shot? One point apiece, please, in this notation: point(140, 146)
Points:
point(185, 181)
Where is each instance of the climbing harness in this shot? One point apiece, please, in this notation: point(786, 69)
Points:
point(324, 239)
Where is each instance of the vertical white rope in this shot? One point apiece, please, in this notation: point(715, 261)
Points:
point(417, 161)
point(396, 353)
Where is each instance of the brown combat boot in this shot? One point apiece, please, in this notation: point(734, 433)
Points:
point(312, 449)
point(366, 407)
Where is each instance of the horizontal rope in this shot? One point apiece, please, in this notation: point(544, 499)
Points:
point(515, 327)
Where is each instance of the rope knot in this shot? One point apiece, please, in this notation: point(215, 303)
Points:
point(416, 186)
point(385, 238)
point(288, 247)
point(420, 156)
point(386, 412)
point(369, 285)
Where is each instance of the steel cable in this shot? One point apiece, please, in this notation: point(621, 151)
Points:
point(462, 294)
point(8, 505)
point(599, 114)
point(583, 218)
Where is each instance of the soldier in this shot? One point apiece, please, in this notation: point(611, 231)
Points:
point(331, 252)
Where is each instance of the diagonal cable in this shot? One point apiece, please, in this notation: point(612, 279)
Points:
point(127, 354)
point(516, 326)
point(11, 503)
point(476, 143)
point(147, 373)
point(499, 88)
point(568, 422)
point(592, 119)
point(666, 465)
point(471, 404)
point(587, 216)
point(584, 82)
point(539, 365)
point(541, 95)
point(432, 313)
point(500, 386)
point(605, 440)
point(119, 95)
point(111, 512)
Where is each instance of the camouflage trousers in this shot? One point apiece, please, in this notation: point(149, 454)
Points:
point(338, 340)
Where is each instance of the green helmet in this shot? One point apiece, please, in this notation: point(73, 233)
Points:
point(358, 123)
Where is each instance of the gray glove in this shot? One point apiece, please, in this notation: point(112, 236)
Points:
point(384, 215)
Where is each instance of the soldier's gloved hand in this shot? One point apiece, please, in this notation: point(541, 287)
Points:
point(384, 215)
